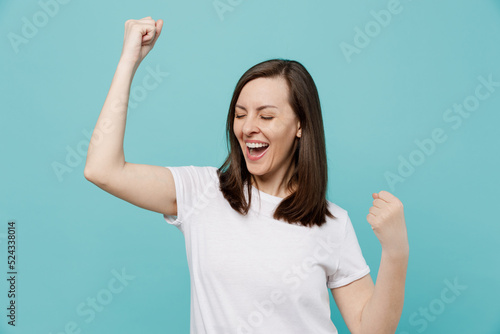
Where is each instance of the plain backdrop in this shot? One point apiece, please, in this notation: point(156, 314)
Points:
point(411, 105)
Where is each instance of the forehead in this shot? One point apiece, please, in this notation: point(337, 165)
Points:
point(264, 91)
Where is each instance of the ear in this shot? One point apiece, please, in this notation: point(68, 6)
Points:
point(299, 130)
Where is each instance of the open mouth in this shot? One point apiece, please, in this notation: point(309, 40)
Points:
point(256, 151)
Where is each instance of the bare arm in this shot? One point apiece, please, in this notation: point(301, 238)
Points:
point(369, 309)
point(149, 187)
point(383, 310)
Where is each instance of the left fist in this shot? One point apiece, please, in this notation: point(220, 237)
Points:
point(387, 220)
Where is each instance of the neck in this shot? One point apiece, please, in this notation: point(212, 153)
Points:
point(275, 185)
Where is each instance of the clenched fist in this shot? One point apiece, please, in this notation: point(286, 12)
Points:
point(387, 220)
point(140, 37)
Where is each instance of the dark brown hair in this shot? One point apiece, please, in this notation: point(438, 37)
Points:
point(307, 205)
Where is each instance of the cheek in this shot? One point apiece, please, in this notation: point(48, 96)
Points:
point(236, 130)
point(279, 130)
point(276, 129)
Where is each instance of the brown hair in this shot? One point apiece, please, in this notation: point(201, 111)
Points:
point(307, 205)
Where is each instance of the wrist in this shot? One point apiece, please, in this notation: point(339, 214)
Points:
point(128, 64)
point(400, 253)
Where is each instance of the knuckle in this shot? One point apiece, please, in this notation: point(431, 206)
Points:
point(130, 23)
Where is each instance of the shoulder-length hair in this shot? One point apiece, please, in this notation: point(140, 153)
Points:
point(307, 205)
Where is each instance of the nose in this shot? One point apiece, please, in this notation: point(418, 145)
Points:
point(250, 126)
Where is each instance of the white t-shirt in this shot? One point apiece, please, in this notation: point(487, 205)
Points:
point(254, 274)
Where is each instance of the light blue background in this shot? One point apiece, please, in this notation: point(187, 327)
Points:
point(72, 235)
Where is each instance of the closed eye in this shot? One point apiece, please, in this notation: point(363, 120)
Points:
point(263, 117)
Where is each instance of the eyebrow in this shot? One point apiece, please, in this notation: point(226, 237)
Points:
point(259, 108)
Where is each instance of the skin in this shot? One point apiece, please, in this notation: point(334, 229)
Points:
point(365, 307)
point(264, 114)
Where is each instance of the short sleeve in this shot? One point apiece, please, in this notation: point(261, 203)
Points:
point(352, 264)
point(194, 185)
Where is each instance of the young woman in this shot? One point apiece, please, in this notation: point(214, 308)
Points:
point(263, 243)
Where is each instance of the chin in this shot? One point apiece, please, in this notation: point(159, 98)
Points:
point(255, 171)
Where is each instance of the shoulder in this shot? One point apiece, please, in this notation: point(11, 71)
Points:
point(340, 213)
point(194, 174)
point(208, 171)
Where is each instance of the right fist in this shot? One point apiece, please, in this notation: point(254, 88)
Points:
point(140, 37)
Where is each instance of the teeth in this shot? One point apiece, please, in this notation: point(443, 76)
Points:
point(256, 145)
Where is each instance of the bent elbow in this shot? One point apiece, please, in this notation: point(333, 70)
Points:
point(90, 175)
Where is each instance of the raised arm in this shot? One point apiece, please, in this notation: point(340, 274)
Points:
point(149, 187)
point(369, 309)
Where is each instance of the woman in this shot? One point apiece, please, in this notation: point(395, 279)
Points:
point(263, 243)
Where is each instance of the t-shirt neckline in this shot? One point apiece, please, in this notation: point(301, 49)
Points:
point(267, 197)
